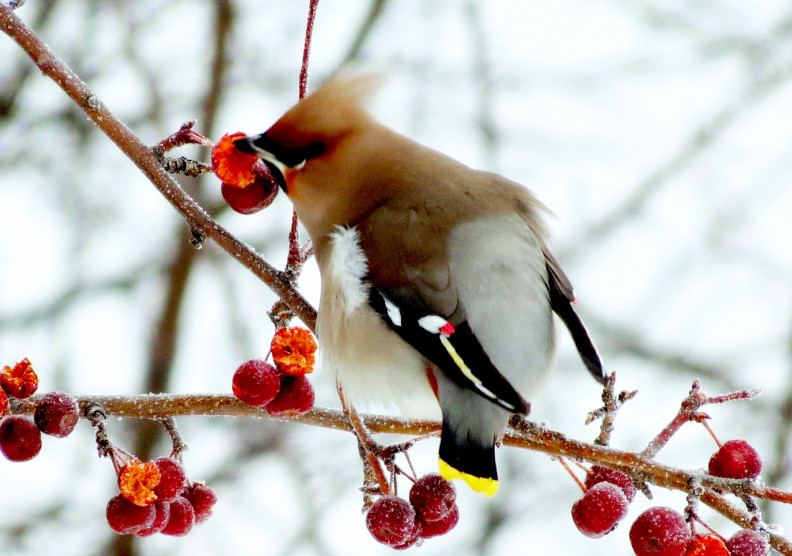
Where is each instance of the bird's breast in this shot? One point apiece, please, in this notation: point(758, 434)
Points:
point(376, 369)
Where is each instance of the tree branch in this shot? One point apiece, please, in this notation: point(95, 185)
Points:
point(146, 161)
point(522, 434)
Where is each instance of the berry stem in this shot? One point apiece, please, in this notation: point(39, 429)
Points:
point(368, 448)
point(575, 478)
point(96, 414)
point(712, 433)
point(179, 446)
point(693, 497)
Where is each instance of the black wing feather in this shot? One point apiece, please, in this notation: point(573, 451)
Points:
point(561, 302)
point(493, 385)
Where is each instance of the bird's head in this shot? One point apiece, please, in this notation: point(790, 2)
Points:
point(315, 149)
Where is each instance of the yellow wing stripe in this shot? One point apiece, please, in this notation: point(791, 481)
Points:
point(464, 368)
point(484, 485)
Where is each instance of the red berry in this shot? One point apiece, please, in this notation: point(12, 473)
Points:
point(57, 414)
point(600, 509)
point(125, 517)
point(202, 499)
point(441, 526)
point(296, 397)
point(412, 540)
point(171, 481)
point(182, 518)
point(161, 517)
point(736, 459)
point(432, 496)
point(748, 543)
point(3, 402)
point(600, 474)
point(253, 198)
point(20, 439)
point(659, 531)
point(391, 520)
point(706, 545)
point(256, 383)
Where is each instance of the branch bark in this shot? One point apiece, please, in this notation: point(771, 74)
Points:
point(525, 435)
point(146, 161)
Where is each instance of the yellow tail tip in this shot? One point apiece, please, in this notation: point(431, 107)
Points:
point(485, 485)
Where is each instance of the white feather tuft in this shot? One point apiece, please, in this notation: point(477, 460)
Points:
point(348, 266)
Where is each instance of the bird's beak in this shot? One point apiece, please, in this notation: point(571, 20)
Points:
point(248, 145)
point(245, 145)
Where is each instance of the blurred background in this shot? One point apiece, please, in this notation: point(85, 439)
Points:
point(658, 133)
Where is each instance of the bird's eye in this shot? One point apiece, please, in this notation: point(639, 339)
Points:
point(293, 157)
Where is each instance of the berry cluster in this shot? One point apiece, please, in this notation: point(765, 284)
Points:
point(431, 512)
point(662, 531)
point(56, 413)
point(248, 184)
point(156, 497)
point(282, 389)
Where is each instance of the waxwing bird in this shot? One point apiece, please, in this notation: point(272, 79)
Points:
point(436, 278)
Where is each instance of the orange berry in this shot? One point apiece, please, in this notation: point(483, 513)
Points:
point(706, 545)
point(231, 165)
point(293, 350)
point(20, 381)
point(137, 481)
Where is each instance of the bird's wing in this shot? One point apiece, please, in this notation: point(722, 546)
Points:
point(561, 300)
point(412, 290)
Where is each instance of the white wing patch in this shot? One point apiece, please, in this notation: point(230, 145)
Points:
point(348, 266)
point(394, 314)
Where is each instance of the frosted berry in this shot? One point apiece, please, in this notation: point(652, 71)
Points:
point(20, 439)
point(748, 543)
point(659, 531)
point(432, 496)
point(296, 397)
point(172, 479)
point(600, 474)
point(125, 517)
point(441, 526)
point(600, 509)
point(161, 517)
point(391, 520)
point(252, 198)
point(736, 459)
point(706, 545)
point(19, 381)
point(256, 383)
point(182, 518)
point(412, 541)
point(202, 499)
point(57, 414)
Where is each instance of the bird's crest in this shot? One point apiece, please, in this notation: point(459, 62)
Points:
point(334, 109)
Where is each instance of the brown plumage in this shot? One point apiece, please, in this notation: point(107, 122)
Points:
point(425, 264)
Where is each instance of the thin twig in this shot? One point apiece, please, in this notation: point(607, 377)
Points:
point(147, 162)
point(307, 48)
